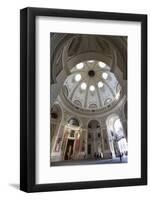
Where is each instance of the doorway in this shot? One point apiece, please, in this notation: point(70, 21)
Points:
point(69, 149)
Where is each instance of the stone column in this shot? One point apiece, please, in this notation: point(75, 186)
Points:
point(86, 142)
point(124, 123)
point(106, 145)
point(56, 149)
point(83, 144)
point(64, 142)
point(111, 143)
point(53, 133)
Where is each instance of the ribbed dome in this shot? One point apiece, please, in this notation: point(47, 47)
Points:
point(91, 85)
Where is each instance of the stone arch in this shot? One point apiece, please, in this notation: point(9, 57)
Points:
point(107, 101)
point(77, 103)
point(93, 123)
point(74, 121)
point(116, 135)
point(56, 112)
point(111, 119)
point(92, 106)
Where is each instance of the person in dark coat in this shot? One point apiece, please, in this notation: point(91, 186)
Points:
point(121, 155)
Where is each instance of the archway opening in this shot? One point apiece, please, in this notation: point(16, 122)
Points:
point(116, 135)
point(94, 140)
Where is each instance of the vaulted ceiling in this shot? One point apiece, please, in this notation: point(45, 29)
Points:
point(88, 72)
point(91, 85)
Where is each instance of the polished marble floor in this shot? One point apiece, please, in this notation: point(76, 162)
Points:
point(89, 162)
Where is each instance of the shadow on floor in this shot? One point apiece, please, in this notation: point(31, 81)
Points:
point(15, 185)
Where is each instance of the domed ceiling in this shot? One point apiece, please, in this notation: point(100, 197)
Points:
point(91, 85)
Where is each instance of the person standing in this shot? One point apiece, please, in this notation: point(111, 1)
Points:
point(121, 157)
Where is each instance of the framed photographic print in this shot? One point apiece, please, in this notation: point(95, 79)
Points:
point(83, 99)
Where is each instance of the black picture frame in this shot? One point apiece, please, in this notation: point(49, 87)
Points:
point(28, 98)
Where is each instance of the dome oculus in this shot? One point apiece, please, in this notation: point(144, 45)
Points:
point(80, 66)
point(100, 84)
point(83, 86)
point(101, 64)
point(92, 88)
point(90, 61)
point(78, 77)
point(91, 73)
point(105, 75)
